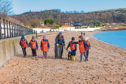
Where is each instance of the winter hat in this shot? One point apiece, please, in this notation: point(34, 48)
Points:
point(44, 36)
point(73, 38)
point(22, 37)
point(87, 38)
point(60, 32)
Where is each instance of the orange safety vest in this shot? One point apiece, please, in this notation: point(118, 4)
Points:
point(88, 43)
point(44, 46)
point(24, 43)
point(81, 47)
point(33, 44)
point(72, 46)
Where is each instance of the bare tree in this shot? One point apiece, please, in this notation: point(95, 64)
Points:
point(5, 7)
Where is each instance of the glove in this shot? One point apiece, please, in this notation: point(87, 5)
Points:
point(57, 45)
point(67, 50)
point(64, 46)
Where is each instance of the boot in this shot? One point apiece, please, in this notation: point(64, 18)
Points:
point(73, 58)
point(44, 56)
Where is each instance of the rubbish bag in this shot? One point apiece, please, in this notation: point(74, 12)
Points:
point(58, 51)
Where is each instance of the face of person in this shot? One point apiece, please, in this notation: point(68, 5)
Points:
point(73, 40)
point(44, 37)
point(33, 39)
point(60, 35)
point(79, 39)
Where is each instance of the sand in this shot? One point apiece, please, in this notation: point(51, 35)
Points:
point(106, 65)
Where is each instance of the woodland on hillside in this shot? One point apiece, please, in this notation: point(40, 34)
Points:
point(34, 19)
point(107, 16)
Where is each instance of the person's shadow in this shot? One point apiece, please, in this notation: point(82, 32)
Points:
point(49, 57)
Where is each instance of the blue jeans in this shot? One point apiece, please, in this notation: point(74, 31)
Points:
point(73, 52)
point(86, 54)
point(81, 56)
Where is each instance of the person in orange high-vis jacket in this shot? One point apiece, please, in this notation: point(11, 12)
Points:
point(34, 46)
point(23, 43)
point(82, 47)
point(88, 47)
point(44, 46)
point(73, 47)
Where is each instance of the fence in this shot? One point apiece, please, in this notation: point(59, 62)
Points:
point(9, 29)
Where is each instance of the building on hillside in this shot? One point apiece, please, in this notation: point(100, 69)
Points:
point(77, 24)
point(66, 28)
point(84, 26)
point(42, 23)
point(41, 30)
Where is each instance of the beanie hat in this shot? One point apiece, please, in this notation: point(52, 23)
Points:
point(73, 38)
point(22, 37)
point(60, 32)
point(87, 38)
point(44, 36)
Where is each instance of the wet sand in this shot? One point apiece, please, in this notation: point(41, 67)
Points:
point(106, 65)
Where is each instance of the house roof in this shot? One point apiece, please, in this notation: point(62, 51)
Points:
point(65, 26)
point(77, 24)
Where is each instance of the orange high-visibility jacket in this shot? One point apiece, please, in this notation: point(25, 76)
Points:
point(33, 44)
point(45, 47)
point(72, 46)
point(88, 47)
point(24, 43)
point(81, 46)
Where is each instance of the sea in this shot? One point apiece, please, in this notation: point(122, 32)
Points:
point(117, 38)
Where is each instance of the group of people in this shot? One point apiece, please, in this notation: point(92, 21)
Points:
point(44, 45)
point(84, 46)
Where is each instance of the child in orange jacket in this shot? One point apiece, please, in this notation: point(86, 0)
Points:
point(34, 46)
point(88, 47)
point(44, 46)
point(73, 47)
point(82, 47)
point(24, 44)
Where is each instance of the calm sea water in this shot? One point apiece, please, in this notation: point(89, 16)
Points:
point(117, 38)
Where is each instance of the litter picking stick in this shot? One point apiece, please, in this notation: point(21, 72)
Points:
point(65, 51)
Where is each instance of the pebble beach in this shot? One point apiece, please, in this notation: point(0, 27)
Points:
point(106, 65)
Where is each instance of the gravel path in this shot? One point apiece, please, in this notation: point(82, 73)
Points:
point(106, 65)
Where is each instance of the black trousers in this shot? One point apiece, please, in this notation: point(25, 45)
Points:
point(24, 52)
point(34, 52)
point(45, 53)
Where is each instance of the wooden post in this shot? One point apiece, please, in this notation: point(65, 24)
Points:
point(7, 29)
point(0, 30)
point(14, 27)
point(10, 28)
point(4, 28)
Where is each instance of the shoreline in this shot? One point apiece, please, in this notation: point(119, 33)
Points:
point(113, 29)
point(107, 42)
